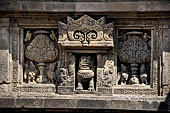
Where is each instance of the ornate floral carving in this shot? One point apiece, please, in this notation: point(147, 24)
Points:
point(41, 49)
point(86, 32)
point(135, 49)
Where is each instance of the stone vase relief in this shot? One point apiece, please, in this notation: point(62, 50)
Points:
point(80, 57)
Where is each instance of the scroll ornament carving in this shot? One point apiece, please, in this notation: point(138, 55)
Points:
point(134, 49)
point(42, 50)
point(86, 32)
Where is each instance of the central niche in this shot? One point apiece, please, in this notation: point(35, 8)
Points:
point(85, 41)
point(85, 72)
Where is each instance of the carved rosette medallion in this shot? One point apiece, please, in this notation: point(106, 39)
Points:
point(135, 51)
point(86, 32)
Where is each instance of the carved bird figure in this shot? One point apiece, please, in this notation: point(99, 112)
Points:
point(51, 76)
point(52, 35)
point(28, 36)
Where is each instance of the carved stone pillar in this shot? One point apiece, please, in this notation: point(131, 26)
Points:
point(166, 58)
point(4, 51)
point(105, 74)
point(67, 76)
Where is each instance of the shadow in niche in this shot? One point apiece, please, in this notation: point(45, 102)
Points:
point(165, 106)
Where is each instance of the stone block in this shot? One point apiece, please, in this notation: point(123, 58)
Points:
point(150, 105)
point(60, 6)
point(104, 91)
point(92, 103)
point(60, 103)
point(29, 103)
point(125, 104)
point(4, 22)
point(4, 52)
point(166, 40)
point(66, 90)
point(27, 6)
point(4, 37)
point(7, 102)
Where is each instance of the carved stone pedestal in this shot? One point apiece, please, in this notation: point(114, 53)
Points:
point(85, 91)
point(66, 90)
point(102, 91)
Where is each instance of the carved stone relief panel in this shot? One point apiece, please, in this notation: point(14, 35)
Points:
point(134, 57)
point(67, 75)
point(41, 55)
point(105, 74)
point(85, 38)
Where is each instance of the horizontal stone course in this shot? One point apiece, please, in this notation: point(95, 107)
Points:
point(111, 6)
point(87, 102)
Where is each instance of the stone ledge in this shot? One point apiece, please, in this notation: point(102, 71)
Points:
point(32, 6)
point(152, 103)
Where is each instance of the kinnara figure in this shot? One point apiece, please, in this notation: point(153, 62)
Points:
point(124, 75)
point(85, 74)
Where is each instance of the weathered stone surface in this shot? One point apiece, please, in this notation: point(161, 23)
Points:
point(4, 37)
point(60, 103)
point(84, 6)
point(29, 103)
point(4, 55)
point(36, 23)
point(84, 102)
point(7, 102)
point(92, 104)
point(4, 74)
point(4, 22)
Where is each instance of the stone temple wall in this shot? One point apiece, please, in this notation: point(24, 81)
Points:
point(82, 54)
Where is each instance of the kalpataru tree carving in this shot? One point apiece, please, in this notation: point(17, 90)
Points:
point(41, 54)
point(134, 56)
